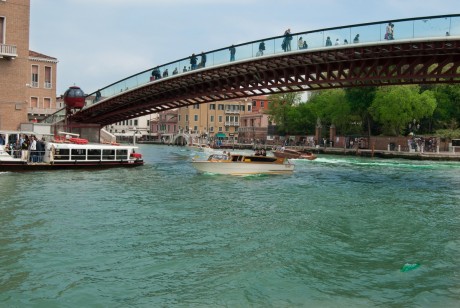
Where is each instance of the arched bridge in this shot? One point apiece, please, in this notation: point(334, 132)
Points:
point(422, 51)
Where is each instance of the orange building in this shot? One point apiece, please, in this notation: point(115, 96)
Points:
point(42, 86)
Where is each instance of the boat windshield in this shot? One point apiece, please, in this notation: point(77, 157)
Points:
point(218, 157)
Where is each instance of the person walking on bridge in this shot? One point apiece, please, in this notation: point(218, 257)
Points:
point(193, 61)
point(232, 53)
point(287, 40)
point(203, 59)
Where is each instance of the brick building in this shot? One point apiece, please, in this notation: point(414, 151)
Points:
point(14, 62)
point(28, 78)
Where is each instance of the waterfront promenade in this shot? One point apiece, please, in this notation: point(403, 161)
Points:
point(436, 156)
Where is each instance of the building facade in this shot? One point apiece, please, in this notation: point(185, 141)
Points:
point(28, 78)
point(216, 120)
point(165, 126)
point(14, 63)
point(41, 86)
point(255, 125)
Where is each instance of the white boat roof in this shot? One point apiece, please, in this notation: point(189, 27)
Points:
point(91, 146)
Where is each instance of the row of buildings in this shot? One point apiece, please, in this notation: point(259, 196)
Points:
point(240, 120)
point(28, 94)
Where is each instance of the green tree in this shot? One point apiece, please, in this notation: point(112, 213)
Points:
point(395, 107)
point(331, 107)
point(281, 110)
point(447, 113)
point(360, 99)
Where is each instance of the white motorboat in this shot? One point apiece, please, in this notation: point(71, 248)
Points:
point(240, 164)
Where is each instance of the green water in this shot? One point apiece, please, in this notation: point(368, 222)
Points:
point(335, 233)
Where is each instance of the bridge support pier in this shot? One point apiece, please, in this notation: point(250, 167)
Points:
point(91, 132)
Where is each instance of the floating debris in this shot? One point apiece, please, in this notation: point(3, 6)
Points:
point(409, 267)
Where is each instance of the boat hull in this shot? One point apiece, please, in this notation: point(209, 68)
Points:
point(9, 166)
point(242, 168)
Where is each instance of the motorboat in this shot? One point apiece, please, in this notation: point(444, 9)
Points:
point(294, 154)
point(241, 164)
point(201, 148)
point(65, 153)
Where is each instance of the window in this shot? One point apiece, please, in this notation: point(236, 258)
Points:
point(122, 154)
point(220, 119)
point(220, 107)
point(211, 129)
point(196, 106)
point(79, 154)
point(94, 154)
point(186, 118)
point(47, 103)
point(2, 30)
point(212, 119)
point(136, 122)
point(34, 102)
point(195, 128)
point(195, 117)
point(249, 108)
point(212, 106)
point(47, 77)
point(254, 103)
point(61, 154)
point(35, 76)
point(261, 104)
point(108, 154)
point(242, 108)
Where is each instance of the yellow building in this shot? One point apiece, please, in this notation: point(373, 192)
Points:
point(217, 120)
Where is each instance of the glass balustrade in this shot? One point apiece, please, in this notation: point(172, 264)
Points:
point(407, 29)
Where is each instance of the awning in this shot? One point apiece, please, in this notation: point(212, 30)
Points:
point(221, 135)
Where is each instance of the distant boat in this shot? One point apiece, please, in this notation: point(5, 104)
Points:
point(294, 154)
point(66, 153)
point(241, 164)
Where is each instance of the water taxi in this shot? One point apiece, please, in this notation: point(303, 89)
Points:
point(241, 164)
point(64, 153)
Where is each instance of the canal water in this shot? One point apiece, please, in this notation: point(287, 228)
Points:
point(338, 232)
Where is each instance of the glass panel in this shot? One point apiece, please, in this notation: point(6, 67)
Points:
point(454, 28)
point(61, 154)
point(122, 154)
point(428, 27)
point(108, 154)
point(94, 154)
point(78, 154)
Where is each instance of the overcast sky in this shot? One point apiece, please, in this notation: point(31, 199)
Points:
point(98, 42)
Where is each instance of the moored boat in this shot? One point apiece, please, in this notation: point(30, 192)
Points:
point(70, 153)
point(241, 164)
point(294, 154)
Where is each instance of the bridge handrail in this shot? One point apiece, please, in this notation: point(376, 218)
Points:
point(435, 26)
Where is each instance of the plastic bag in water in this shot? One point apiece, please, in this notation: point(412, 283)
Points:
point(409, 267)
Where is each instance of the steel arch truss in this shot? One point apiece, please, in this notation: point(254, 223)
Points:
point(389, 63)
